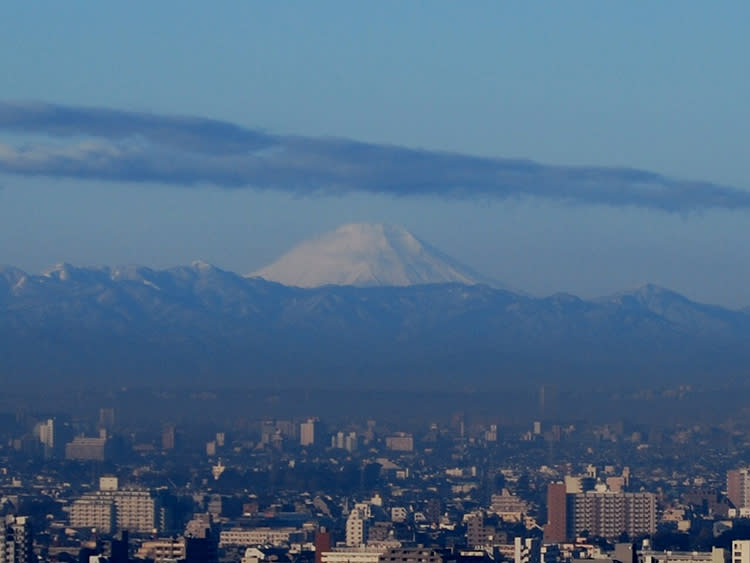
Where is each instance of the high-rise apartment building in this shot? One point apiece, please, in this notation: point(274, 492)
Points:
point(606, 514)
point(477, 533)
point(107, 418)
point(741, 551)
point(610, 514)
point(46, 431)
point(344, 441)
point(94, 512)
point(17, 540)
point(168, 437)
point(136, 511)
point(110, 510)
point(738, 487)
point(556, 529)
point(307, 432)
point(356, 528)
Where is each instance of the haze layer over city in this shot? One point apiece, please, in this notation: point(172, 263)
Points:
point(374, 282)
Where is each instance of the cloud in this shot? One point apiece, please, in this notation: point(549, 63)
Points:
point(121, 146)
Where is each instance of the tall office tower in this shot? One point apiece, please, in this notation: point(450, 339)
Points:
point(351, 442)
point(107, 418)
point(46, 431)
point(307, 432)
point(547, 398)
point(17, 540)
point(556, 529)
point(168, 437)
point(738, 487)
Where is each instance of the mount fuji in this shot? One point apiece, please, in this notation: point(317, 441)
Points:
point(422, 321)
point(368, 255)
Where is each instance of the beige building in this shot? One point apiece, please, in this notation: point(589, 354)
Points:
point(93, 512)
point(131, 510)
point(87, 449)
point(411, 555)
point(400, 442)
point(136, 511)
point(609, 514)
point(352, 555)
point(738, 487)
point(259, 536)
point(508, 506)
point(307, 432)
point(165, 550)
point(741, 551)
point(716, 555)
point(16, 540)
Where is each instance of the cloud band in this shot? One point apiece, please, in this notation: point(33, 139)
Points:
point(120, 146)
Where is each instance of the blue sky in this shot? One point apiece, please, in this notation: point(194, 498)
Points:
point(661, 87)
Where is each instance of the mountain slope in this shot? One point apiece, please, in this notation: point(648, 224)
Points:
point(363, 255)
point(197, 323)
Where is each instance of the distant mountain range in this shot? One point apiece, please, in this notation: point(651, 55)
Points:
point(198, 323)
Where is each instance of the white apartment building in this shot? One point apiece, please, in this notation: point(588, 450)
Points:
point(260, 536)
point(716, 555)
point(353, 555)
point(307, 432)
point(16, 541)
point(93, 512)
point(136, 511)
point(164, 550)
point(356, 527)
point(741, 551)
point(131, 510)
point(609, 514)
point(398, 514)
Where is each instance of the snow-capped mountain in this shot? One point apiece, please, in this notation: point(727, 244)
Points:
point(188, 321)
point(366, 255)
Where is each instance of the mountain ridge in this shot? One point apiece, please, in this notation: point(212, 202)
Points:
point(198, 321)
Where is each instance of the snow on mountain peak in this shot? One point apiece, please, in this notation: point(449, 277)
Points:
point(365, 254)
point(201, 265)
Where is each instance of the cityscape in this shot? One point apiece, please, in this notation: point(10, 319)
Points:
point(102, 483)
point(374, 282)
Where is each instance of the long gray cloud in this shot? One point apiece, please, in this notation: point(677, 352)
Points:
point(122, 146)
